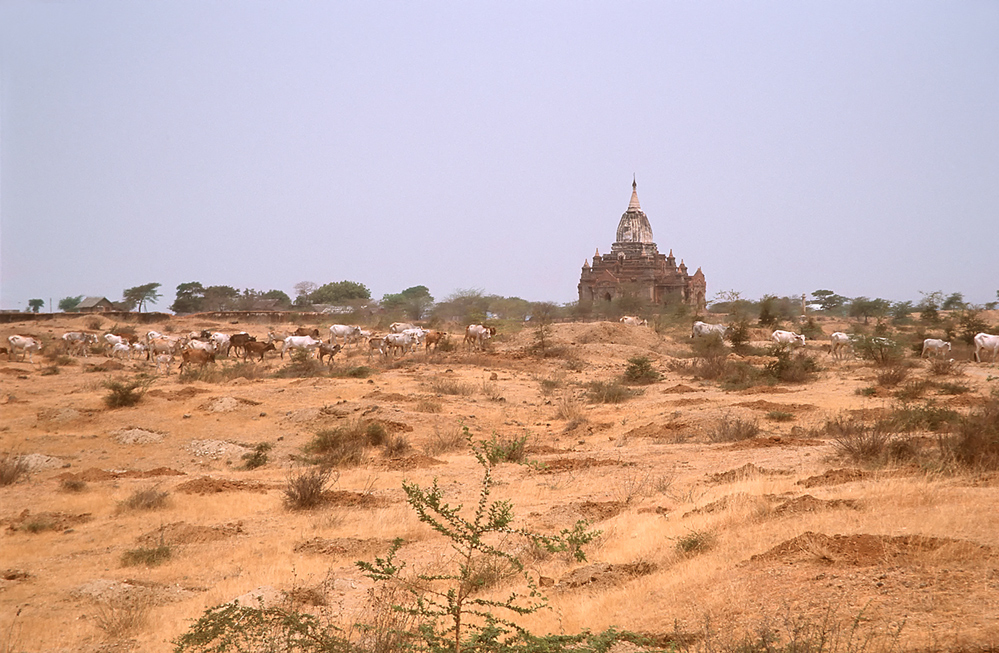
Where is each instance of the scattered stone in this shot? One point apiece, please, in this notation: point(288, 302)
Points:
point(136, 435)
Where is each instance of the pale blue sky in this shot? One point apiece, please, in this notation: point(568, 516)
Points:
point(780, 146)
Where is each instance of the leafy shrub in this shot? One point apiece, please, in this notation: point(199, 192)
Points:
point(929, 416)
point(609, 392)
point(12, 469)
point(729, 429)
point(640, 371)
point(739, 335)
point(148, 499)
point(257, 457)
point(94, 323)
point(124, 392)
point(309, 488)
point(946, 367)
point(791, 367)
point(301, 365)
point(509, 450)
point(338, 447)
point(882, 351)
point(890, 376)
point(976, 444)
point(694, 543)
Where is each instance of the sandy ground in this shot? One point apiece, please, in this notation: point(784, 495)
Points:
point(795, 535)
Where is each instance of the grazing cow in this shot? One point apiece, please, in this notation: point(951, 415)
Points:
point(787, 338)
point(935, 346)
point(348, 333)
point(986, 342)
point(237, 340)
point(26, 344)
point(302, 331)
point(78, 342)
point(702, 329)
point(254, 348)
point(327, 350)
point(399, 327)
point(476, 335)
point(196, 356)
point(164, 360)
point(121, 350)
point(200, 344)
point(221, 342)
point(434, 338)
point(840, 343)
point(300, 342)
point(632, 320)
point(160, 346)
point(401, 341)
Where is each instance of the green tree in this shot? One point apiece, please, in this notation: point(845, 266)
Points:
point(141, 295)
point(900, 311)
point(953, 302)
point(464, 306)
point(284, 301)
point(339, 292)
point(828, 300)
point(866, 307)
point(302, 291)
point(220, 298)
point(190, 298)
point(414, 302)
point(69, 304)
point(929, 306)
point(36, 305)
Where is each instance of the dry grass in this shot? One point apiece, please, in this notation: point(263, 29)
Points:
point(151, 498)
point(121, 616)
point(12, 469)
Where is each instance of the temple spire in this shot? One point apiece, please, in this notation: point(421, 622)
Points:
point(633, 205)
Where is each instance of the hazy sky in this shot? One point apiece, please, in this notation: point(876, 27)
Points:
point(782, 147)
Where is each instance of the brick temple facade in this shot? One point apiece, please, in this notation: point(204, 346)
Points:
point(635, 266)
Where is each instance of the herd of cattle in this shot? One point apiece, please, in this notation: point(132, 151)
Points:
point(841, 343)
point(201, 348)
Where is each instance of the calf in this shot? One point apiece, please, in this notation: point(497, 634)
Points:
point(121, 350)
point(26, 344)
point(327, 350)
point(254, 348)
point(434, 338)
point(164, 360)
point(986, 342)
point(238, 340)
point(787, 338)
point(376, 344)
point(196, 356)
point(935, 346)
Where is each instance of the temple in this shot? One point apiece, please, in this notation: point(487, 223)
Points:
point(635, 266)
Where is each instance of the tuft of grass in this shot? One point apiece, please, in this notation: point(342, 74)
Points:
point(38, 524)
point(309, 488)
point(862, 443)
point(352, 372)
point(125, 392)
point(445, 440)
point(550, 384)
point(12, 469)
point(397, 445)
point(733, 429)
point(447, 386)
point(694, 543)
point(148, 499)
point(121, 616)
point(868, 391)
point(976, 444)
point(952, 388)
point(51, 370)
point(913, 389)
point(429, 406)
point(780, 416)
point(338, 447)
point(890, 376)
point(508, 450)
point(147, 556)
point(946, 367)
point(569, 407)
point(72, 485)
point(609, 392)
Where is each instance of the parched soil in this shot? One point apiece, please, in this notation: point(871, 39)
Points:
point(210, 485)
point(94, 474)
point(746, 471)
point(183, 533)
point(866, 549)
point(762, 404)
point(342, 547)
point(28, 521)
point(835, 477)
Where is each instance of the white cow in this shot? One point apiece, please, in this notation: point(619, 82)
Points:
point(986, 342)
point(78, 342)
point(399, 327)
point(632, 320)
point(26, 344)
point(121, 350)
point(164, 360)
point(300, 342)
point(139, 349)
point(935, 346)
point(110, 340)
point(200, 344)
point(348, 333)
point(787, 338)
point(701, 329)
point(163, 346)
point(401, 341)
point(376, 344)
point(476, 335)
point(841, 343)
point(221, 342)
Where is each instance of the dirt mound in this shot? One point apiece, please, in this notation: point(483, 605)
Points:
point(341, 547)
point(765, 389)
point(574, 464)
point(726, 502)
point(417, 461)
point(346, 499)
point(39, 461)
point(94, 474)
point(865, 550)
point(748, 470)
point(216, 449)
point(808, 503)
point(184, 533)
point(58, 414)
point(775, 441)
point(762, 404)
point(11, 370)
point(209, 485)
point(226, 404)
point(135, 435)
point(692, 401)
point(680, 388)
point(834, 477)
point(605, 573)
point(658, 430)
point(177, 395)
point(392, 427)
point(106, 366)
point(605, 333)
point(45, 521)
point(390, 396)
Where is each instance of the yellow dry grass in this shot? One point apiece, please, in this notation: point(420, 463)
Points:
point(643, 472)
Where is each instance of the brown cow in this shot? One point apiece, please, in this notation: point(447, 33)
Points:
point(434, 338)
point(254, 348)
point(197, 356)
point(302, 331)
point(237, 340)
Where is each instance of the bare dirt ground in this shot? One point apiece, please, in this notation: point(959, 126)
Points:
point(793, 533)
